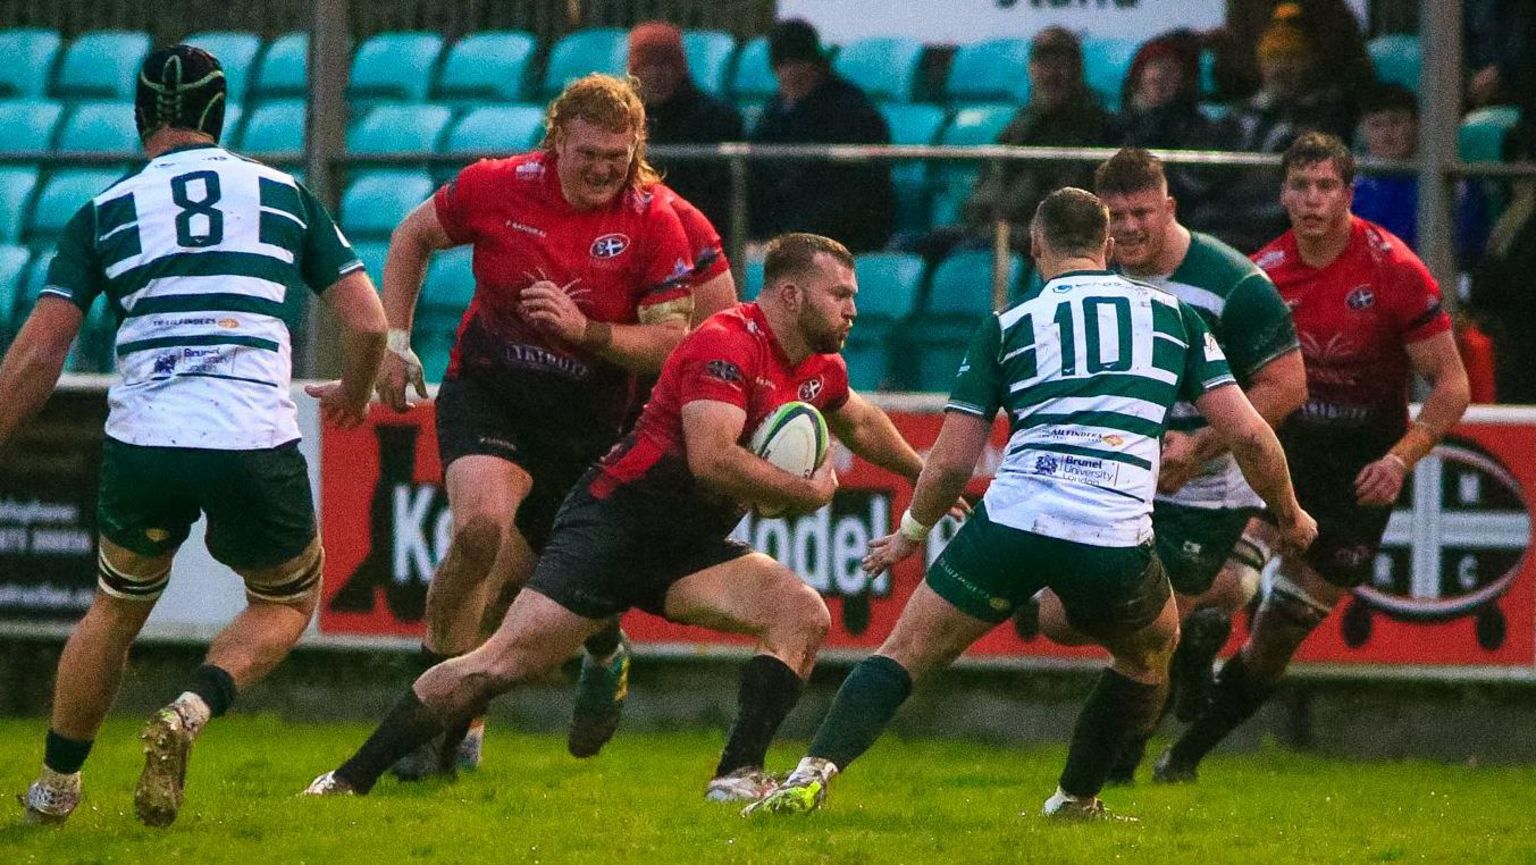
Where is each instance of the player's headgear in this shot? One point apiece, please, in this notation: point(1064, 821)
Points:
point(181, 87)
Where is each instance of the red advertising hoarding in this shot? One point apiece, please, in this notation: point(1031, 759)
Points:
point(1453, 585)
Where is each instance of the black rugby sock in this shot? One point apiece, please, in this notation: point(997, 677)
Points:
point(863, 707)
point(605, 642)
point(215, 686)
point(427, 659)
point(65, 756)
point(1117, 709)
point(769, 689)
point(408, 725)
point(1236, 697)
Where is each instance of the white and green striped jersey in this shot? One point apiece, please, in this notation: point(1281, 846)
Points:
point(1087, 367)
point(1242, 308)
point(198, 252)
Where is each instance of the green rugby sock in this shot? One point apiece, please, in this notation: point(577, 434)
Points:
point(862, 709)
point(1118, 709)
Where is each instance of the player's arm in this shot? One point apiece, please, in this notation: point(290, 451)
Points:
point(364, 326)
point(411, 246)
point(1438, 361)
point(35, 360)
point(642, 347)
point(1258, 452)
point(869, 433)
point(1276, 390)
point(712, 296)
point(711, 429)
point(943, 479)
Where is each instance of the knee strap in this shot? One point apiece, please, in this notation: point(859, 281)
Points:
point(1292, 601)
point(294, 584)
point(119, 584)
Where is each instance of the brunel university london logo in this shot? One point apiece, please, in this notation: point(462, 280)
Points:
point(1452, 552)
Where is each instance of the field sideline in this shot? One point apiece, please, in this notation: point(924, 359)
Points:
point(908, 801)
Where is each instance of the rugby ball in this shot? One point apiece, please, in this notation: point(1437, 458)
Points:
point(792, 437)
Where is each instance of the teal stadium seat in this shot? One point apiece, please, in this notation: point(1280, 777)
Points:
point(375, 203)
point(491, 129)
point(751, 279)
point(597, 49)
point(487, 67)
point(1106, 60)
point(32, 283)
point(709, 58)
point(1482, 133)
point(102, 64)
point(962, 284)
point(885, 68)
point(996, 70)
point(29, 124)
point(394, 67)
point(959, 297)
point(30, 53)
point(752, 79)
point(91, 351)
point(1207, 72)
point(284, 68)
point(912, 124)
point(274, 127)
point(952, 181)
point(236, 50)
point(449, 286)
point(372, 253)
point(13, 269)
point(17, 184)
point(63, 193)
point(1397, 58)
point(234, 113)
point(398, 128)
point(99, 127)
point(889, 285)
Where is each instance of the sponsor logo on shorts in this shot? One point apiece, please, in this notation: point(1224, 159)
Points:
point(610, 246)
point(809, 390)
point(723, 370)
point(1360, 297)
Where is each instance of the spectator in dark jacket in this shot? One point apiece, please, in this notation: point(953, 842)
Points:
point(851, 202)
point(1160, 101)
point(1062, 112)
point(680, 113)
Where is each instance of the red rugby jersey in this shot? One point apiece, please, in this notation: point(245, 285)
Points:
point(734, 358)
point(616, 259)
point(1354, 318)
point(709, 259)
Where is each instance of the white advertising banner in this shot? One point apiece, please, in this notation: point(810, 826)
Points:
point(961, 21)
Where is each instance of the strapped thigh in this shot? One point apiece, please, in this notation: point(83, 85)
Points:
point(294, 582)
point(115, 581)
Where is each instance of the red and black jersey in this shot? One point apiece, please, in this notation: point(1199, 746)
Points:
point(709, 259)
point(733, 357)
point(1354, 318)
point(613, 261)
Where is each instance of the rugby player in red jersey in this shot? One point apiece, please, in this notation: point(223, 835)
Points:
point(581, 282)
point(649, 526)
point(1367, 313)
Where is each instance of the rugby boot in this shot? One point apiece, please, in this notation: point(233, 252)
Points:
point(747, 784)
point(802, 792)
point(1067, 808)
point(329, 785)
point(51, 798)
point(167, 741)
point(1169, 771)
point(600, 695)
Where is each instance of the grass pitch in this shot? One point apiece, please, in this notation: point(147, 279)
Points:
point(641, 801)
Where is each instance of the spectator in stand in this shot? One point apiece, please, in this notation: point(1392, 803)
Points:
point(1161, 97)
point(1504, 301)
point(1295, 96)
point(1330, 24)
point(853, 202)
point(1062, 112)
point(681, 113)
point(1391, 125)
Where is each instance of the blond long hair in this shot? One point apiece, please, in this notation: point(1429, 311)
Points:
point(608, 102)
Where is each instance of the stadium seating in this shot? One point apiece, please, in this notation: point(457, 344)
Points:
point(375, 203)
point(398, 128)
point(496, 129)
point(29, 124)
point(1482, 133)
point(394, 66)
point(102, 64)
point(13, 269)
point(597, 49)
point(17, 183)
point(752, 79)
point(1397, 58)
point(99, 127)
point(32, 284)
point(709, 58)
point(65, 192)
point(274, 127)
point(372, 254)
point(1105, 64)
point(912, 124)
point(952, 181)
point(996, 70)
point(236, 50)
point(32, 52)
point(445, 294)
point(751, 279)
point(284, 68)
point(884, 68)
point(486, 67)
point(889, 285)
point(962, 284)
